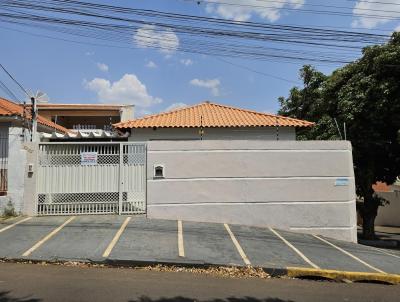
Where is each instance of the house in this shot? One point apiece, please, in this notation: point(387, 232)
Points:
point(388, 215)
point(209, 163)
point(87, 117)
point(15, 122)
point(210, 121)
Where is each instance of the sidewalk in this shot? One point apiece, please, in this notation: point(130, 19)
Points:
point(140, 241)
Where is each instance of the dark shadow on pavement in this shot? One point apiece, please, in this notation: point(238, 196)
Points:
point(383, 240)
point(5, 297)
point(231, 299)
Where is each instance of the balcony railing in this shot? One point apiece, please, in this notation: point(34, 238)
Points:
point(91, 127)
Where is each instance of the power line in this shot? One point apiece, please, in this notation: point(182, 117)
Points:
point(288, 3)
point(374, 2)
point(14, 80)
point(304, 10)
point(257, 71)
point(203, 35)
point(8, 91)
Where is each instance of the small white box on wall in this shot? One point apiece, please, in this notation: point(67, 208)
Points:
point(158, 171)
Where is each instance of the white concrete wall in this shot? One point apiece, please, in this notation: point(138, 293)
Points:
point(389, 215)
point(259, 133)
point(16, 168)
point(289, 185)
point(127, 113)
point(30, 179)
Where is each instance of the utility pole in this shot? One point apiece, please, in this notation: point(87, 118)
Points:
point(34, 119)
point(277, 128)
point(201, 128)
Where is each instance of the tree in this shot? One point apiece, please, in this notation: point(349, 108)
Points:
point(365, 95)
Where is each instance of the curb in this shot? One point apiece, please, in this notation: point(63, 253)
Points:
point(299, 272)
point(289, 272)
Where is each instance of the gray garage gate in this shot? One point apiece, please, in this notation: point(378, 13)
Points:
point(91, 178)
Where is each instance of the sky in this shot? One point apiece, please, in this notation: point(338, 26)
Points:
point(156, 80)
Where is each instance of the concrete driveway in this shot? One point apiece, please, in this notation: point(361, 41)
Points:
point(137, 240)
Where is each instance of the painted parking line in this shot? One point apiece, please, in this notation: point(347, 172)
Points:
point(387, 253)
point(113, 242)
point(47, 237)
point(237, 245)
point(181, 247)
point(349, 254)
point(304, 257)
point(14, 224)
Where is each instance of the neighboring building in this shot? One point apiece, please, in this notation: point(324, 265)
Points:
point(389, 214)
point(14, 123)
point(88, 117)
point(212, 121)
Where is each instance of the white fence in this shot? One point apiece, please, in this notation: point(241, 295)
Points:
point(91, 178)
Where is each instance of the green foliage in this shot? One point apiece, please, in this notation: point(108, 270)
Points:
point(365, 95)
point(9, 210)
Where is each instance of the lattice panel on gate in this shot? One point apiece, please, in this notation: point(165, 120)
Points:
point(114, 183)
point(133, 173)
point(78, 203)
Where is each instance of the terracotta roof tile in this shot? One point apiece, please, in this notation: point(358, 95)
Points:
point(212, 115)
point(8, 108)
point(381, 187)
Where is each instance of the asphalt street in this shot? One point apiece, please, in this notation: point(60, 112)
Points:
point(34, 283)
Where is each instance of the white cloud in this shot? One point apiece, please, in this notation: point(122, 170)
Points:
point(397, 28)
point(243, 10)
point(89, 53)
point(175, 106)
point(391, 9)
point(102, 67)
point(151, 64)
point(140, 112)
point(186, 62)
point(127, 90)
point(212, 84)
point(150, 36)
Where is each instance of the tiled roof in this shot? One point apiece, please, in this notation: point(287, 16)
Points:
point(381, 187)
point(78, 107)
point(8, 108)
point(212, 115)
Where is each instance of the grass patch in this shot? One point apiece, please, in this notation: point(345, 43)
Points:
point(9, 211)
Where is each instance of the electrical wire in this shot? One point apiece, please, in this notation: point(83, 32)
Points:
point(14, 80)
point(9, 92)
point(309, 11)
point(257, 71)
point(201, 35)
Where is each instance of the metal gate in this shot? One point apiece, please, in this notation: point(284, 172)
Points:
point(91, 178)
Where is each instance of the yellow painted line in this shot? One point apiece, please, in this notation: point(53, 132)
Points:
point(342, 275)
point(14, 224)
point(304, 257)
point(237, 244)
point(350, 255)
point(181, 247)
point(113, 242)
point(47, 237)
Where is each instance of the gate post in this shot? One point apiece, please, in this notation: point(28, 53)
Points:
point(30, 194)
point(120, 183)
